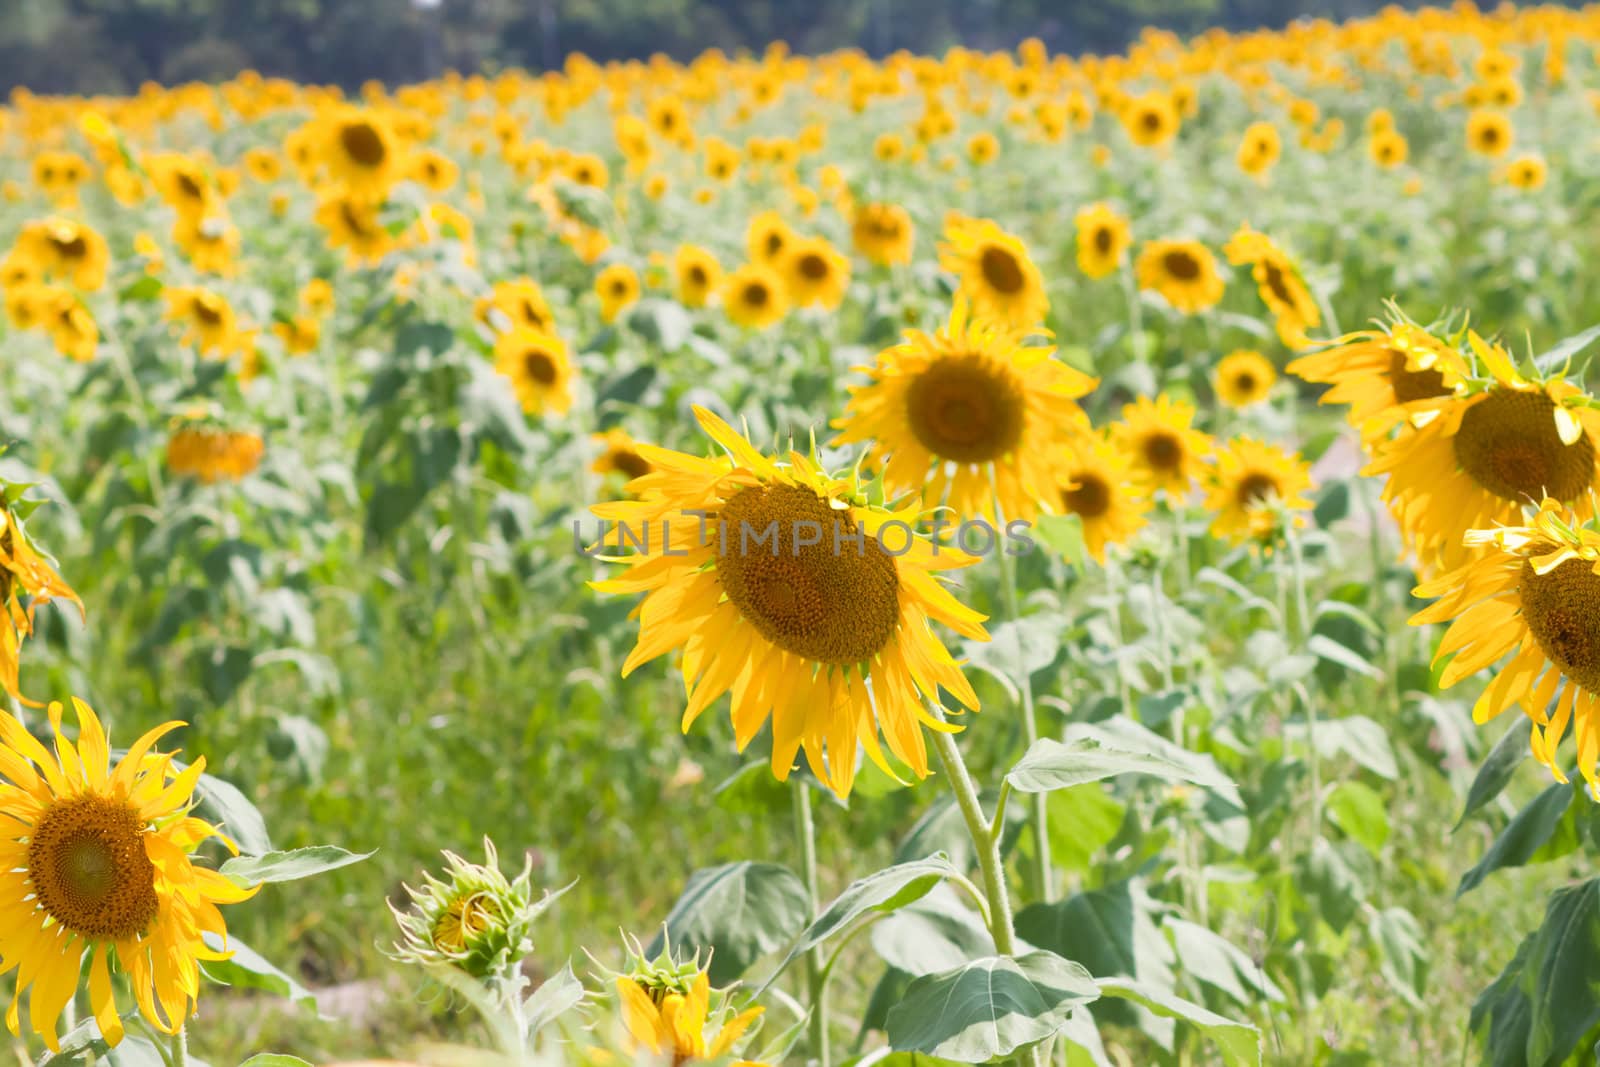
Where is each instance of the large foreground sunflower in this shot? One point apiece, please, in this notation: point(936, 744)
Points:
point(97, 862)
point(996, 274)
point(771, 577)
point(1498, 443)
point(1386, 375)
point(1533, 591)
point(967, 415)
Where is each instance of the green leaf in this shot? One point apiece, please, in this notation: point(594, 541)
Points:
point(1556, 357)
point(222, 803)
point(556, 996)
point(1360, 812)
point(142, 291)
point(936, 933)
point(1083, 820)
point(943, 829)
point(1333, 504)
point(740, 911)
point(1360, 738)
point(1403, 955)
point(1497, 770)
point(1109, 930)
point(1062, 534)
point(1325, 647)
point(1049, 765)
point(1240, 1042)
point(275, 1059)
point(1033, 642)
point(1215, 961)
point(989, 1007)
point(84, 1047)
point(1125, 735)
point(1331, 878)
point(291, 865)
point(1522, 837)
point(248, 969)
point(628, 388)
point(1502, 1016)
point(881, 892)
point(662, 322)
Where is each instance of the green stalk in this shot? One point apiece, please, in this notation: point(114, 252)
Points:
point(816, 973)
point(986, 843)
point(1301, 630)
point(180, 1047)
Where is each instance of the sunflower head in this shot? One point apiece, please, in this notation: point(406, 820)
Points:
point(1244, 377)
point(670, 1009)
point(1256, 491)
point(754, 296)
point(1183, 271)
point(997, 276)
point(1103, 237)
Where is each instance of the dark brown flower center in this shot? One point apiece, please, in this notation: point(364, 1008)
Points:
point(1181, 265)
point(1256, 488)
point(1001, 270)
point(1562, 609)
point(1410, 385)
point(1509, 445)
point(89, 869)
point(1163, 452)
point(1092, 497)
point(538, 365)
point(966, 408)
point(813, 267)
point(363, 144)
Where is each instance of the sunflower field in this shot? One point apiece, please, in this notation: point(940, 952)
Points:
point(774, 559)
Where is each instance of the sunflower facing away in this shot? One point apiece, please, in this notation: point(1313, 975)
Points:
point(1103, 239)
point(997, 277)
point(967, 416)
point(1531, 592)
point(513, 303)
point(98, 863)
point(1386, 375)
point(23, 570)
point(1252, 480)
point(831, 646)
point(539, 368)
point(1495, 445)
point(1160, 441)
point(1182, 271)
point(1099, 486)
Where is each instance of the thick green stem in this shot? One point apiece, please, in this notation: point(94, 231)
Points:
point(180, 1048)
point(986, 843)
point(816, 971)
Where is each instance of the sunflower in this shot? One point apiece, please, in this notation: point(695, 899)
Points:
point(60, 249)
point(98, 861)
point(72, 328)
point(832, 642)
point(23, 570)
point(1386, 375)
point(1259, 149)
point(1182, 271)
point(997, 277)
point(1244, 377)
point(673, 1023)
point(209, 453)
point(767, 238)
point(883, 233)
point(317, 298)
point(1161, 444)
point(1496, 444)
point(1532, 592)
point(698, 274)
point(967, 415)
point(1278, 283)
point(817, 273)
point(211, 243)
point(754, 296)
point(620, 453)
point(361, 151)
point(519, 302)
point(618, 288)
point(1388, 148)
point(263, 165)
point(1251, 482)
point(539, 368)
point(435, 170)
point(300, 335)
point(353, 224)
point(1099, 485)
point(1489, 133)
point(211, 325)
point(182, 182)
point(983, 148)
point(1150, 119)
point(1526, 172)
point(1103, 239)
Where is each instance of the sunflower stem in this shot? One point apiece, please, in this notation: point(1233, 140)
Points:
point(1302, 627)
point(816, 972)
point(180, 1047)
point(986, 843)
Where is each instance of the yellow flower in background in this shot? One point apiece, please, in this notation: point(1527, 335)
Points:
point(1098, 484)
point(1163, 447)
point(997, 276)
point(300, 335)
point(182, 181)
point(1530, 592)
point(1244, 377)
point(200, 449)
point(833, 647)
point(1259, 149)
point(620, 454)
point(72, 328)
point(1489, 133)
point(1103, 237)
point(353, 224)
point(1388, 149)
point(754, 297)
point(434, 170)
point(967, 416)
point(60, 249)
point(513, 303)
point(1278, 283)
point(263, 164)
point(99, 862)
point(883, 233)
point(211, 244)
point(24, 571)
point(767, 238)
point(618, 288)
point(1484, 453)
point(817, 274)
point(361, 152)
point(697, 274)
point(539, 368)
point(983, 148)
point(1150, 119)
point(317, 298)
point(209, 319)
point(1252, 480)
point(1183, 271)
point(1526, 172)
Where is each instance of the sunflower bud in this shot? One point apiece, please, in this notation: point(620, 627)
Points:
point(473, 919)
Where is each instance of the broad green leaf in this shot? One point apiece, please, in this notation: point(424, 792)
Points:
point(222, 803)
point(662, 322)
point(989, 1007)
point(1497, 770)
point(937, 933)
point(740, 912)
point(1051, 765)
point(1214, 960)
point(144, 290)
point(1125, 735)
point(1240, 1042)
point(1522, 837)
point(1555, 358)
point(1031, 643)
point(291, 865)
point(1081, 1043)
point(1360, 812)
point(1403, 954)
point(1502, 1016)
point(883, 891)
point(1084, 819)
point(1325, 647)
point(84, 1047)
point(1336, 878)
point(248, 969)
point(1360, 738)
point(556, 996)
point(1062, 534)
point(943, 829)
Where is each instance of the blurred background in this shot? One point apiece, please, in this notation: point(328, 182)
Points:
point(110, 46)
